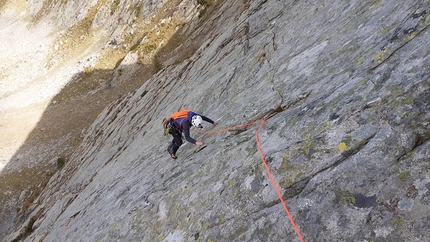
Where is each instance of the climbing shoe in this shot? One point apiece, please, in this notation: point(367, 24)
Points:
point(171, 154)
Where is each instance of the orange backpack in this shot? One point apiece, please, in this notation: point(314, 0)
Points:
point(168, 122)
point(180, 114)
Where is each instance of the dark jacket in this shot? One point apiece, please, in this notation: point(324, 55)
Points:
point(184, 125)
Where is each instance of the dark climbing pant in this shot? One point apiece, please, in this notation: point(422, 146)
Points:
point(177, 140)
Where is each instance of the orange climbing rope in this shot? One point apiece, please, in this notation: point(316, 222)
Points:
point(262, 121)
point(227, 129)
point(274, 183)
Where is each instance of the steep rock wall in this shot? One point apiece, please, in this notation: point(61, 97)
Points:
point(344, 86)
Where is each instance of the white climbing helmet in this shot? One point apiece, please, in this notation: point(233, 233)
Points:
point(197, 121)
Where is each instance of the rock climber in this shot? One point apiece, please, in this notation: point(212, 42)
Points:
point(181, 122)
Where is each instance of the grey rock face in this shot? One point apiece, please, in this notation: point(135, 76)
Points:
point(345, 88)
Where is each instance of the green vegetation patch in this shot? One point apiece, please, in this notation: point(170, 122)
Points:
point(205, 3)
point(114, 6)
point(239, 232)
point(397, 221)
point(286, 164)
point(345, 197)
point(404, 176)
point(292, 171)
point(308, 148)
point(288, 181)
